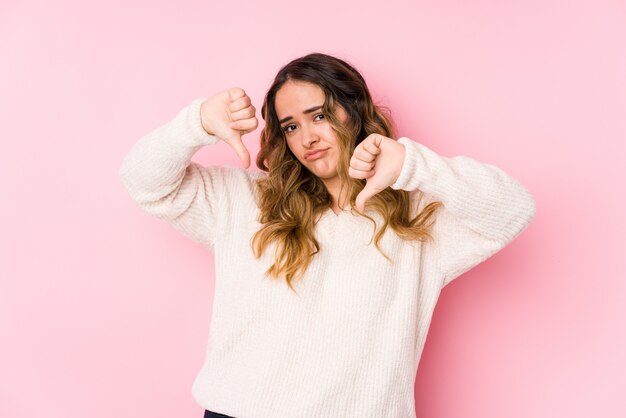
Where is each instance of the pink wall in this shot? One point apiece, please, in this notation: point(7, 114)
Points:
point(104, 311)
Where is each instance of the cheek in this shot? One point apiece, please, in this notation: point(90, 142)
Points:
point(291, 148)
point(331, 137)
point(295, 151)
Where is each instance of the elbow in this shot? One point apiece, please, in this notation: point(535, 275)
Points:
point(133, 181)
point(123, 173)
point(525, 213)
point(529, 206)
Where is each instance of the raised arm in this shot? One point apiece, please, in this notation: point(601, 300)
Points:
point(484, 208)
point(160, 176)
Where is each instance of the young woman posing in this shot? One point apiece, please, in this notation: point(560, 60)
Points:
point(330, 259)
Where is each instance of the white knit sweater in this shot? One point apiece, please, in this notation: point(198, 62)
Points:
point(348, 344)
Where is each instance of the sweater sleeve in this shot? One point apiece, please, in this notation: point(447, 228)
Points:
point(483, 207)
point(159, 175)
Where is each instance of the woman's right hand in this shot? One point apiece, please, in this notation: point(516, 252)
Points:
point(228, 115)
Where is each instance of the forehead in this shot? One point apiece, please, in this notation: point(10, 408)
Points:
point(295, 96)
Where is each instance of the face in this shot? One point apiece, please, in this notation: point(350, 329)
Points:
point(310, 136)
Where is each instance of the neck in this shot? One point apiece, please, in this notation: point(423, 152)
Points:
point(334, 188)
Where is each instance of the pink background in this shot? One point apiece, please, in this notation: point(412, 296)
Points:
point(104, 310)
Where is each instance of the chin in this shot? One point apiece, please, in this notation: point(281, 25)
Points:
point(325, 176)
point(324, 172)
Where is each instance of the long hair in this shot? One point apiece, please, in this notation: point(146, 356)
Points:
point(291, 198)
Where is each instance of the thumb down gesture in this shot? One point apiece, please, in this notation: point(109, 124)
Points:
point(378, 160)
point(229, 115)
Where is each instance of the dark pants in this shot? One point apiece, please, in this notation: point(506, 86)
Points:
point(211, 414)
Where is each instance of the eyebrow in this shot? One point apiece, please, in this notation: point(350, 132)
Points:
point(313, 109)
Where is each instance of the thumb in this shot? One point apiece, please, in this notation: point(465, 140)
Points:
point(367, 192)
point(240, 149)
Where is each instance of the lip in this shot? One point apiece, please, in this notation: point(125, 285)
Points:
point(315, 154)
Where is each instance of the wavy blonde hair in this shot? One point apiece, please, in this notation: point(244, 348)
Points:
point(291, 198)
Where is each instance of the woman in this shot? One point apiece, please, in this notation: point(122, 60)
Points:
point(329, 261)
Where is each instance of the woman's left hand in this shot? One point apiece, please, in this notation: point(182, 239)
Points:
point(379, 160)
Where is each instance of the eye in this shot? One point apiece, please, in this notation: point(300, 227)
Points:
point(286, 128)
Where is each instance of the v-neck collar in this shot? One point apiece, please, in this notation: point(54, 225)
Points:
point(342, 212)
point(331, 224)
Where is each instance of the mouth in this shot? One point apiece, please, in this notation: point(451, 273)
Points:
point(315, 155)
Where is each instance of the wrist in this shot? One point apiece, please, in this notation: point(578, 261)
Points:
point(204, 119)
point(401, 153)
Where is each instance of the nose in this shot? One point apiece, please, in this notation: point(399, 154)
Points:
point(310, 137)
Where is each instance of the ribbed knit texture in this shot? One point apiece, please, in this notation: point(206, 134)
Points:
point(349, 343)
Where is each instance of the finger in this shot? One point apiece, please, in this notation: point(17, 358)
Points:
point(364, 156)
point(235, 93)
point(240, 103)
point(365, 194)
point(244, 113)
point(241, 151)
point(372, 148)
point(361, 165)
point(244, 125)
point(360, 174)
point(366, 151)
